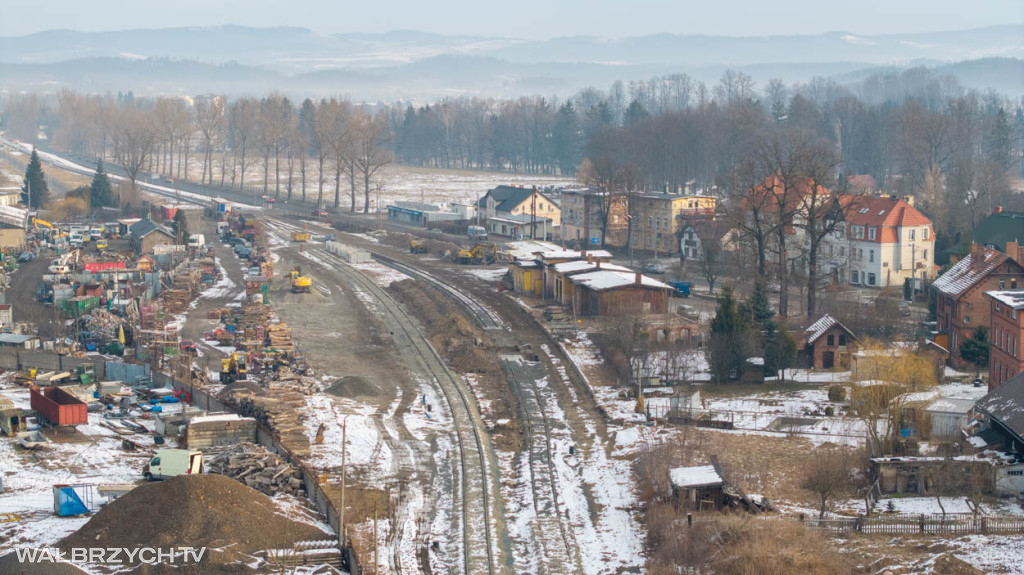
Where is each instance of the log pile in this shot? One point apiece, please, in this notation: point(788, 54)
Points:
point(279, 337)
point(275, 409)
point(176, 301)
point(258, 468)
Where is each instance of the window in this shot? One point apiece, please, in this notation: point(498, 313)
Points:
point(1002, 283)
point(926, 255)
point(831, 339)
point(967, 320)
point(1013, 283)
point(924, 233)
point(854, 277)
point(871, 279)
point(842, 339)
point(1013, 313)
point(871, 255)
point(871, 233)
point(864, 210)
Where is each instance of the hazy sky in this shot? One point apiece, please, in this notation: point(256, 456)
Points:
point(520, 18)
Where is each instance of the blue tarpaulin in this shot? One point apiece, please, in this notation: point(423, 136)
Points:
point(70, 500)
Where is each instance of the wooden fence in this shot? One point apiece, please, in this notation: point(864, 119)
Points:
point(928, 523)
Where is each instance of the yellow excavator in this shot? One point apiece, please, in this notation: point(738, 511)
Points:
point(418, 246)
point(233, 368)
point(480, 254)
point(36, 222)
point(300, 283)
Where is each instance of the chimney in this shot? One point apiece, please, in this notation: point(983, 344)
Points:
point(590, 257)
point(666, 187)
point(977, 254)
point(997, 210)
point(639, 278)
point(598, 262)
point(1013, 250)
point(679, 190)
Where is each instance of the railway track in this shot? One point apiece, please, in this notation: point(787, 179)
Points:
point(477, 484)
point(560, 554)
point(485, 316)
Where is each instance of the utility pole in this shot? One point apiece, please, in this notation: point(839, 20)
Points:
point(341, 512)
point(375, 542)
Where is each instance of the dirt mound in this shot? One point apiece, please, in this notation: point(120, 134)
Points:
point(947, 564)
point(9, 564)
point(210, 511)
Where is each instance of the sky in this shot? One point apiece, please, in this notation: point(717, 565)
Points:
point(532, 19)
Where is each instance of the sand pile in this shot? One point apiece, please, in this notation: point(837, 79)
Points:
point(194, 510)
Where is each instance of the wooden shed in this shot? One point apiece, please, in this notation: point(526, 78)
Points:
point(826, 344)
point(605, 292)
point(527, 277)
point(698, 488)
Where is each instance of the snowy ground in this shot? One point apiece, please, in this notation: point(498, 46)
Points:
point(487, 275)
point(382, 275)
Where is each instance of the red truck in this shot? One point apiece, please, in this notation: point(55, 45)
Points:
point(93, 267)
point(59, 407)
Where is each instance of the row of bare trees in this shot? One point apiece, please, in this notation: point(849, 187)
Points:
point(268, 142)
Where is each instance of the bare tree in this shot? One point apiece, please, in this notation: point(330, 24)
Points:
point(827, 475)
point(242, 129)
point(209, 118)
point(135, 139)
point(370, 135)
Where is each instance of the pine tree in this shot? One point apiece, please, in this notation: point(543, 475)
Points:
point(34, 191)
point(758, 309)
point(779, 348)
point(101, 193)
point(181, 233)
point(729, 342)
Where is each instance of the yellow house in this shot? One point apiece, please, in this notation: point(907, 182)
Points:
point(660, 217)
point(518, 200)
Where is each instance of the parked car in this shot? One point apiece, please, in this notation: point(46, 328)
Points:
point(171, 462)
point(26, 257)
point(655, 268)
point(320, 213)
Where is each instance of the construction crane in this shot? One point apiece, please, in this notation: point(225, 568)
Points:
point(233, 368)
point(418, 246)
point(479, 254)
point(300, 283)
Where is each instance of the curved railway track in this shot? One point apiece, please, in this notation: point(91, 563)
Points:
point(485, 316)
point(478, 481)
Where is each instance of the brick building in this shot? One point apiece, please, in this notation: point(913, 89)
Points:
point(826, 344)
point(960, 305)
point(583, 218)
point(1006, 333)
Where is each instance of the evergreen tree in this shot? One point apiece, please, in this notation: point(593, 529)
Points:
point(635, 112)
point(34, 191)
point(729, 342)
point(181, 234)
point(975, 348)
point(1000, 141)
point(100, 191)
point(779, 348)
point(565, 139)
point(758, 309)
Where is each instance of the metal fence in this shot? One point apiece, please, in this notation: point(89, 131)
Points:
point(928, 523)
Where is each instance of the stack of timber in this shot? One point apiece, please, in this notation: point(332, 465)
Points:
point(279, 337)
point(176, 301)
point(258, 468)
point(275, 409)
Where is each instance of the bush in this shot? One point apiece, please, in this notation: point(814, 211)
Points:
point(829, 411)
point(837, 394)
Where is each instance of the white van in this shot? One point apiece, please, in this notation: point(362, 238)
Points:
point(196, 241)
point(171, 462)
point(477, 233)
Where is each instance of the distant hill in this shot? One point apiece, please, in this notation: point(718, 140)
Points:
point(422, 66)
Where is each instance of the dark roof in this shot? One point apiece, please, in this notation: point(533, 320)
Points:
point(146, 226)
point(997, 229)
point(820, 327)
point(1006, 404)
point(507, 197)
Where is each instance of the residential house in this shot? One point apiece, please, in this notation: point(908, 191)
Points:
point(583, 222)
point(699, 232)
point(521, 226)
point(1002, 412)
point(504, 201)
point(147, 234)
point(13, 223)
point(658, 218)
point(999, 228)
point(1006, 335)
point(826, 344)
point(609, 293)
point(960, 304)
point(882, 242)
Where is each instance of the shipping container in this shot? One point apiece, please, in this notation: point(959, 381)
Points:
point(58, 406)
point(94, 267)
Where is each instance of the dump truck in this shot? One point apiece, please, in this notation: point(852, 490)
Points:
point(418, 246)
point(172, 462)
point(301, 236)
point(300, 283)
point(479, 254)
point(233, 368)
